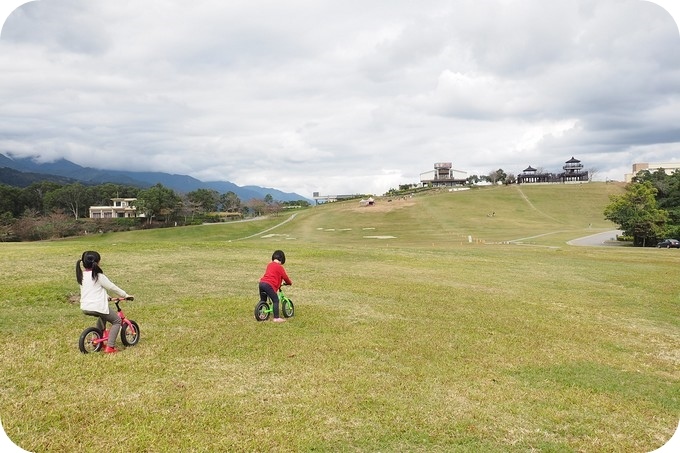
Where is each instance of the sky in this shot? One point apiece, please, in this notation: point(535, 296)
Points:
point(340, 97)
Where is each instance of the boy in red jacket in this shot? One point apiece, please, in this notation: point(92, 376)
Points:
point(270, 283)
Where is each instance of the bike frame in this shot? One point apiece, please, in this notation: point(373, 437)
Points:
point(282, 297)
point(282, 300)
point(123, 320)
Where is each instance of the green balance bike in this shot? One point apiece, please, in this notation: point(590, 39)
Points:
point(265, 308)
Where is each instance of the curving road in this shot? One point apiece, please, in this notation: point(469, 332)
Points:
point(607, 238)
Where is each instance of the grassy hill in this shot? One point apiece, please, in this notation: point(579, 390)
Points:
point(407, 335)
point(490, 214)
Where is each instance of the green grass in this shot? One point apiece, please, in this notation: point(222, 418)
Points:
point(423, 342)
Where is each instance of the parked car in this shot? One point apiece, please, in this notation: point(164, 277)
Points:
point(669, 244)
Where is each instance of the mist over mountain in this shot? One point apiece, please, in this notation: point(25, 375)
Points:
point(68, 171)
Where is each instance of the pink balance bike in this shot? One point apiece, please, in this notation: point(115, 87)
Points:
point(92, 339)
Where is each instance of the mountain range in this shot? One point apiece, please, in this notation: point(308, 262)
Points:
point(24, 171)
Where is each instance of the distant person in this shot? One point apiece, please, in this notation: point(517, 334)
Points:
point(94, 299)
point(270, 283)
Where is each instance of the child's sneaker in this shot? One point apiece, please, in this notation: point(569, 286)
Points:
point(110, 350)
point(279, 320)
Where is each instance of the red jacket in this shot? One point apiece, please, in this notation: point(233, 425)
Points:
point(274, 274)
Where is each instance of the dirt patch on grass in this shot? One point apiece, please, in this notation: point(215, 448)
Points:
point(385, 205)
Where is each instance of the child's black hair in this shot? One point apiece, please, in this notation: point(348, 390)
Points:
point(279, 255)
point(90, 260)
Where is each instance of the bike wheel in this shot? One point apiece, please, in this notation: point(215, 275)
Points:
point(288, 309)
point(130, 335)
point(86, 342)
point(262, 311)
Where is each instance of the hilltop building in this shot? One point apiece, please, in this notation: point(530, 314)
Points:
point(532, 175)
point(572, 171)
point(443, 175)
point(668, 167)
point(121, 208)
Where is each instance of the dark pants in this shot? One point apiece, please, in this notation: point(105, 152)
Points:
point(113, 318)
point(267, 291)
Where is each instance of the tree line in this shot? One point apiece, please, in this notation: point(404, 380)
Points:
point(649, 210)
point(46, 209)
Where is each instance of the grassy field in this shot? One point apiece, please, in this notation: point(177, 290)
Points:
point(450, 321)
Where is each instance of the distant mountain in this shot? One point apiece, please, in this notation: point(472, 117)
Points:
point(16, 178)
point(179, 183)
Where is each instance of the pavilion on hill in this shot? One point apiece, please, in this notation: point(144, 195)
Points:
point(572, 172)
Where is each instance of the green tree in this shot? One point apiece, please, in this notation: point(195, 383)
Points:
point(637, 214)
point(9, 200)
point(497, 176)
point(296, 203)
point(667, 196)
point(103, 193)
point(474, 179)
point(157, 201)
point(230, 202)
point(73, 198)
point(33, 197)
point(205, 199)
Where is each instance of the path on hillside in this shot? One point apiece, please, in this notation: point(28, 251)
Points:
point(531, 205)
point(605, 238)
point(268, 229)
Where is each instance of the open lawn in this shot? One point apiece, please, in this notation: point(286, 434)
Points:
point(450, 321)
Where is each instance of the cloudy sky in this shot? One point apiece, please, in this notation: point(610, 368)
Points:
point(351, 96)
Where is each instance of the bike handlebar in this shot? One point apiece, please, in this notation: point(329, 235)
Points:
point(111, 299)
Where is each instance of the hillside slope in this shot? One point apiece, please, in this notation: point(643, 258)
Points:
point(541, 215)
point(547, 214)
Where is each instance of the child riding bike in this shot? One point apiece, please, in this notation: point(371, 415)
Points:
point(270, 283)
point(94, 298)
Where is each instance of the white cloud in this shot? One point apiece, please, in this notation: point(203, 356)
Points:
point(340, 97)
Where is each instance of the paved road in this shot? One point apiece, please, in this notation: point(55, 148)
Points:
point(608, 238)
